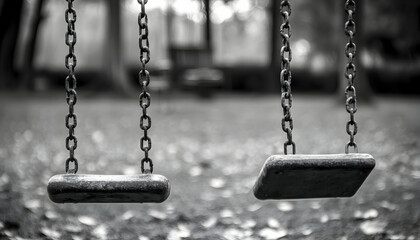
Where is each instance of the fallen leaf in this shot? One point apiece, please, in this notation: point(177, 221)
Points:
point(248, 224)
point(50, 233)
point(180, 232)
point(217, 183)
point(157, 214)
point(33, 204)
point(285, 206)
point(372, 227)
point(273, 223)
point(89, 221)
point(210, 222)
point(226, 213)
point(100, 231)
point(272, 234)
point(254, 207)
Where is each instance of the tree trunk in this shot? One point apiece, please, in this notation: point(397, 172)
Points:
point(10, 17)
point(208, 26)
point(114, 60)
point(273, 84)
point(27, 76)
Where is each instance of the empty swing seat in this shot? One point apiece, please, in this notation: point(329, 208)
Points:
point(312, 176)
point(80, 188)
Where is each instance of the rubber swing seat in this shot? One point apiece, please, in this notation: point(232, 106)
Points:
point(313, 176)
point(82, 188)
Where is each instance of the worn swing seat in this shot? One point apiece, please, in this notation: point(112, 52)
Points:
point(81, 188)
point(313, 176)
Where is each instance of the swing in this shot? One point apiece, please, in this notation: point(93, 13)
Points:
point(81, 188)
point(314, 176)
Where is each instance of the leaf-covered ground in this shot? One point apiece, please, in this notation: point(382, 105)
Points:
point(212, 152)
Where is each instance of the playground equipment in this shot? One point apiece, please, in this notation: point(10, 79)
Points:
point(314, 176)
point(82, 188)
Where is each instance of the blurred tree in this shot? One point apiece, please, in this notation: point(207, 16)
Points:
point(114, 60)
point(274, 83)
point(27, 73)
point(10, 17)
point(208, 31)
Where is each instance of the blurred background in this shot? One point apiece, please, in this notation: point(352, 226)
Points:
point(234, 43)
point(216, 116)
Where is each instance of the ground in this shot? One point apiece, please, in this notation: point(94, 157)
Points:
point(211, 151)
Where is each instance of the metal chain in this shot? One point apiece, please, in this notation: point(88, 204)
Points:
point(286, 75)
point(350, 74)
point(144, 80)
point(70, 85)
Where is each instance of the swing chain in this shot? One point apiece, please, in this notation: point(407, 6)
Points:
point(286, 75)
point(70, 85)
point(144, 80)
point(350, 74)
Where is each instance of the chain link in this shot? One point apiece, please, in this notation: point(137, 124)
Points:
point(70, 85)
point(286, 75)
point(144, 80)
point(350, 74)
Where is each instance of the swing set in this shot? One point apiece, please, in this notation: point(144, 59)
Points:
point(285, 176)
point(314, 176)
point(82, 188)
